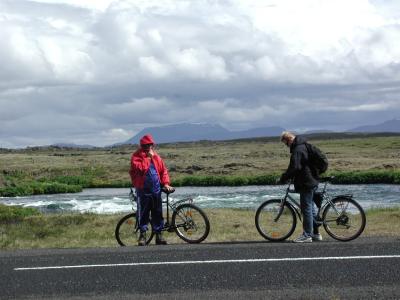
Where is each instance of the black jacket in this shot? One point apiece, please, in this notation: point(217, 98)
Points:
point(298, 168)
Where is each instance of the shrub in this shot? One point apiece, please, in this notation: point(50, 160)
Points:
point(38, 188)
point(225, 180)
point(367, 177)
point(84, 181)
point(13, 214)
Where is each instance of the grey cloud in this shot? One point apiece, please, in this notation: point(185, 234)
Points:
point(96, 76)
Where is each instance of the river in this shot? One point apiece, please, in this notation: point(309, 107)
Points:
point(116, 200)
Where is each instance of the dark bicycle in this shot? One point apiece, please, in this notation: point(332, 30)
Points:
point(342, 217)
point(188, 221)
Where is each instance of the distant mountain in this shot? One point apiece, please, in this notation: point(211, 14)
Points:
point(185, 132)
point(188, 132)
point(387, 126)
point(72, 145)
point(259, 132)
point(322, 131)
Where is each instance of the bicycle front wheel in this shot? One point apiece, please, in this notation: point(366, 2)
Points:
point(274, 222)
point(190, 223)
point(127, 232)
point(344, 219)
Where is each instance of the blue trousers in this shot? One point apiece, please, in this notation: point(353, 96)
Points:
point(149, 203)
point(308, 211)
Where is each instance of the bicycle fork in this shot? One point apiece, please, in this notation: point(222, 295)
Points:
point(281, 208)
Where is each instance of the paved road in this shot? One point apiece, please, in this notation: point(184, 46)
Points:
point(365, 268)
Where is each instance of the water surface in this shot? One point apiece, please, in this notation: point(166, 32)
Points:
point(116, 200)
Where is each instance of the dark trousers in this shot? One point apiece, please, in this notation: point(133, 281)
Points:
point(149, 203)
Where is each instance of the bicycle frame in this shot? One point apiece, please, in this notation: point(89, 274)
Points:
point(293, 203)
point(172, 206)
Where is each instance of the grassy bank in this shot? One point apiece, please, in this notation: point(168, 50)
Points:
point(23, 228)
point(352, 158)
point(353, 177)
point(73, 184)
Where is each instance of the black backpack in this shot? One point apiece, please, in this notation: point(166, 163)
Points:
point(317, 160)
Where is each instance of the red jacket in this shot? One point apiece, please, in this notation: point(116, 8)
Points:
point(140, 164)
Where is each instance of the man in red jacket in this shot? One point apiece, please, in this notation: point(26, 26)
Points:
point(149, 174)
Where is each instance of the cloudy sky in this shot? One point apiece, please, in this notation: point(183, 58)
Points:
point(98, 71)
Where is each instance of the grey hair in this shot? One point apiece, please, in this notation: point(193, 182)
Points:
point(286, 135)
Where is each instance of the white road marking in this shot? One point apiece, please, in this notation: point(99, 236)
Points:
point(222, 261)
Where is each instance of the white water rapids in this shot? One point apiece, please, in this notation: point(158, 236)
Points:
point(105, 201)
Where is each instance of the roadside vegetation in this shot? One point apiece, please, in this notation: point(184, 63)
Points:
point(26, 228)
point(353, 158)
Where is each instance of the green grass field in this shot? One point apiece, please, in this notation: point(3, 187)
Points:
point(22, 228)
point(353, 159)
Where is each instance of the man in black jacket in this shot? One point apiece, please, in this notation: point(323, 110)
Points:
point(304, 183)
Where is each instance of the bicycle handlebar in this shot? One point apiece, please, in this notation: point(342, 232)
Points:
point(322, 179)
point(164, 190)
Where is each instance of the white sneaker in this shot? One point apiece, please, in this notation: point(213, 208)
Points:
point(303, 239)
point(317, 237)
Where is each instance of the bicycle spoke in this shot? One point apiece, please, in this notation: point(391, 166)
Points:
point(190, 223)
point(275, 222)
point(344, 219)
point(339, 205)
point(126, 233)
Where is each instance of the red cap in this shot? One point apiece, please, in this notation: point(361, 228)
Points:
point(146, 139)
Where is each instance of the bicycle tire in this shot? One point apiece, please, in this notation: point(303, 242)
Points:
point(346, 221)
point(127, 233)
point(271, 229)
point(190, 223)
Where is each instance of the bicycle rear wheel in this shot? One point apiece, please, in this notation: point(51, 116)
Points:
point(190, 223)
point(274, 222)
point(127, 232)
point(344, 219)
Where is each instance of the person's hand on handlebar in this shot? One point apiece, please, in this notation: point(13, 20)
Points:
point(168, 188)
